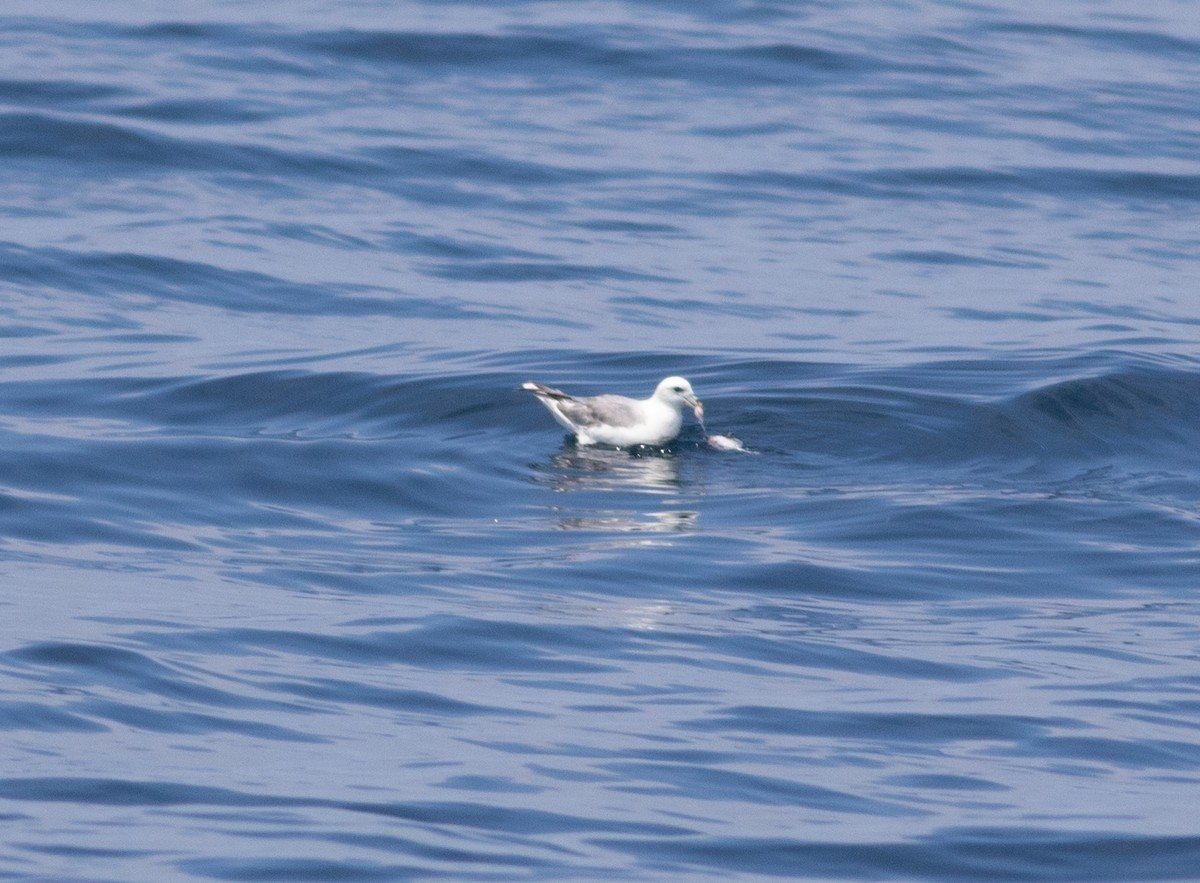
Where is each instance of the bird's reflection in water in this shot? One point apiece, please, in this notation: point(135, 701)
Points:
point(651, 470)
point(655, 471)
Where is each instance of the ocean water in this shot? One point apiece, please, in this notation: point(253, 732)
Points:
point(295, 585)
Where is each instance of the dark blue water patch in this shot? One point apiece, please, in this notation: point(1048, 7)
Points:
point(703, 782)
point(1005, 187)
point(1147, 188)
point(745, 130)
point(284, 869)
point(949, 258)
point(782, 64)
point(62, 94)
point(456, 51)
point(545, 271)
point(494, 784)
point(943, 782)
point(142, 338)
point(18, 331)
point(478, 167)
point(39, 717)
point(124, 149)
point(195, 111)
point(1140, 753)
point(1022, 855)
point(416, 240)
point(1128, 187)
point(570, 53)
point(976, 314)
point(118, 792)
point(30, 360)
point(634, 227)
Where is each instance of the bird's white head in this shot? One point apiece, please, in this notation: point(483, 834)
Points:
point(676, 392)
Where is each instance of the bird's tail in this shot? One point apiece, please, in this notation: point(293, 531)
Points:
point(543, 391)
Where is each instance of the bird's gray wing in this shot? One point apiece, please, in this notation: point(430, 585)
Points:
point(609, 410)
point(585, 411)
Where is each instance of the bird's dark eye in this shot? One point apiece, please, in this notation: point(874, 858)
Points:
point(679, 389)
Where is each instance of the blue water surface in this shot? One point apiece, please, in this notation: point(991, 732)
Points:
point(296, 585)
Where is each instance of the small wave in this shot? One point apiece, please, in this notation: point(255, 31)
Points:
point(1113, 415)
point(949, 413)
point(108, 275)
point(577, 50)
